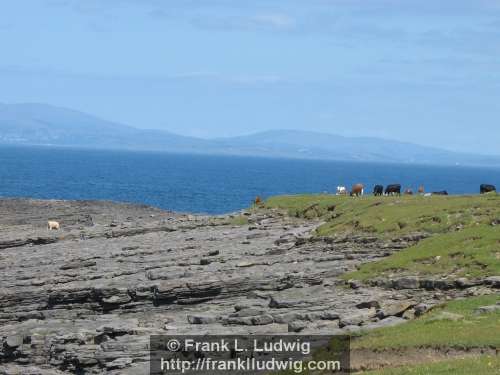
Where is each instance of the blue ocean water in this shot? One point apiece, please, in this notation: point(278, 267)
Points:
point(209, 184)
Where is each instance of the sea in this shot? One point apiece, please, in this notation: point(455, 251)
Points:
point(207, 184)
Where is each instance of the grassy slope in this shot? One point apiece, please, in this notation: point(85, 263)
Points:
point(435, 330)
point(463, 238)
point(463, 234)
point(392, 216)
point(472, 252)
point(484, 365)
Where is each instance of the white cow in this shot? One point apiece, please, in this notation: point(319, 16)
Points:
point(53, 225)
point(341, 190)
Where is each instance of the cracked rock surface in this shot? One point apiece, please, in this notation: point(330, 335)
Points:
point(85, 299)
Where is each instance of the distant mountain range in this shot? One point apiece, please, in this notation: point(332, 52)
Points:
point(40, 124)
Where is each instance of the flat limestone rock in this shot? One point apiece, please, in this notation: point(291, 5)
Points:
point(387, 322)
point(357, 318)
point(393, 309)
point(14, 341)
point(86, 298)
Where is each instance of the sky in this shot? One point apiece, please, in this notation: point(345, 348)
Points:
point(423, 71)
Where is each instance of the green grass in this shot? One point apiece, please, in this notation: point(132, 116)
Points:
point(472, 252)
point(391, 216)
point(463, 242)
point(461, 230)
point(430, 330)
point(434, 330)
point(238, 220)
point(483, 365)
point(296, 205)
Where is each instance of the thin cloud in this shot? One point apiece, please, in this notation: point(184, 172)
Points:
point(195, 76)
point(262, 21)
point(277, 21)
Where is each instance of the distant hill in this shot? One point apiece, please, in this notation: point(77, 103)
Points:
point(40, 124)
point(305, 144)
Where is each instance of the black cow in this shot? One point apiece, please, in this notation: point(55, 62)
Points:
point(442, 192)
point(394, 189)
point(378, 190)
point(485, 188)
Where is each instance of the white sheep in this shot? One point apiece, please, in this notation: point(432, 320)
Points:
point(341, 190)
point(53, 225)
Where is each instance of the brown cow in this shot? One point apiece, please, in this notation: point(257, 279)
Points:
point(421, 189)
point(357, 190)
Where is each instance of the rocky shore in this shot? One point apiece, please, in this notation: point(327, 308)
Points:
point(86, 298)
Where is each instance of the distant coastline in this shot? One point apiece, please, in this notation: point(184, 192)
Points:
point(45, 125)
point(193, 152)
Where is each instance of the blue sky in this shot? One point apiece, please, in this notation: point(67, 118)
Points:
point(423, 71)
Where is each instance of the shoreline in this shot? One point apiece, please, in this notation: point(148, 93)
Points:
point(116, 274)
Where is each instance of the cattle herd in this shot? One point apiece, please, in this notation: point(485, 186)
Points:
point(395, 189)
point(356, 191)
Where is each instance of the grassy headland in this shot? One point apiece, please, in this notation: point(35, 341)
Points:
point(392, 216)
point(464, 230)
point(463, 241)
